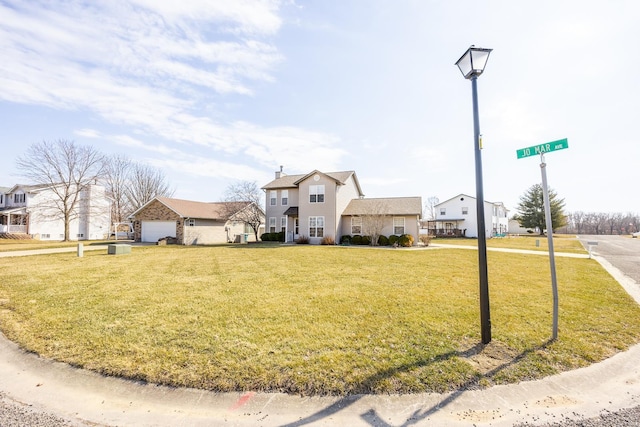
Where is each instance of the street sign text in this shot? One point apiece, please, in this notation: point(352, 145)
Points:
point(543, 148)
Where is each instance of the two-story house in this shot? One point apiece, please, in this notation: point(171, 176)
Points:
point(33, 210)
point(458, 217)
point(323, 204)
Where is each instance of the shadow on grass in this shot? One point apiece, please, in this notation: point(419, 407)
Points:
point(371, 416)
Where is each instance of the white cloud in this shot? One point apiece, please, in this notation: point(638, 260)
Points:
point(153, 65)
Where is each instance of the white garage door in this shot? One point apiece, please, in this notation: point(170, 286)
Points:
point(154, 230)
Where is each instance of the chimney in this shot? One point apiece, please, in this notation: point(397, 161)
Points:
point(279, 173)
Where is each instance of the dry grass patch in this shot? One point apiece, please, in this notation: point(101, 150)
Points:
point(310, 319)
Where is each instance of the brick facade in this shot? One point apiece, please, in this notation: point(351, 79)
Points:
point(156, 211)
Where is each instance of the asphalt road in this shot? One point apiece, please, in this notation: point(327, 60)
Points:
point(622, 252)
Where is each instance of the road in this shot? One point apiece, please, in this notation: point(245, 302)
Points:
point(622, 252)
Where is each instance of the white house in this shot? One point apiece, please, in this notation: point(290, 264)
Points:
point(457, 217)
point(31, 210)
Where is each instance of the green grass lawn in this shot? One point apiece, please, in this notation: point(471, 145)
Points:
point(312, 319)
point(561, 243)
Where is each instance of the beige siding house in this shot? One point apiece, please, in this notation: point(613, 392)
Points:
point(322, 204)
point(189, 222)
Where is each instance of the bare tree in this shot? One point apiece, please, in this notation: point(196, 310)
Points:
point(430, 208)
point(244, 203)
point(116, 178)
point(67, 170)
point(374, 220)
point(144, 183)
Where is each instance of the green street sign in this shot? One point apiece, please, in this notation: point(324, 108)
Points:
point(560, 144)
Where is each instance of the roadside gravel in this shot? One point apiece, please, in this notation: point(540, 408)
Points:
point(623, 418)
point(16, 414)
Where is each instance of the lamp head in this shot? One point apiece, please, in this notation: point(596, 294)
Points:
point(473, 61)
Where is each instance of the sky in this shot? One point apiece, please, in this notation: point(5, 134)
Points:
point(213, 92)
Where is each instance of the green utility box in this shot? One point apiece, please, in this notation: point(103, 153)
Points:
point(119, 249)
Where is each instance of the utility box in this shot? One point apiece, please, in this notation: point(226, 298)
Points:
point(118, 249)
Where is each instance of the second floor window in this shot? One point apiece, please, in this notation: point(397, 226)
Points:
point(285, 197)
point(19, 198)
point(443, 211)
point(273, 198)
point(465, 211)
point(1, 199)
point(316, 194)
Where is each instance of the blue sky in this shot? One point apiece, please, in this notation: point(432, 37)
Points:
point(212, 92)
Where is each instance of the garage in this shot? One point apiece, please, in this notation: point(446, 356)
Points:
point(152, 231)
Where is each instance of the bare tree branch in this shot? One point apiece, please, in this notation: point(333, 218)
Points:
point(66, 169)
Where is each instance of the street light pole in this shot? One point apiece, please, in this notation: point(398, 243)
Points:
point(485, 314)
point(471, 65)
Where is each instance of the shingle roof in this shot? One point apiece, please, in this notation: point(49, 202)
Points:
point(292, 181)
point(385, 206)
point(203, 210)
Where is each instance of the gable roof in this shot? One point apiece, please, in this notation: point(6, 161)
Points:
point(470, 197)
point(385, 206)
point(292, 181)
point(29, 188)
point(192, 209)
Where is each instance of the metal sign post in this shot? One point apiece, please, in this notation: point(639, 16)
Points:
point(541, 150)
point(552, 259)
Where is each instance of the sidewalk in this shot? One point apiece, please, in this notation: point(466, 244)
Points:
point(87, 398)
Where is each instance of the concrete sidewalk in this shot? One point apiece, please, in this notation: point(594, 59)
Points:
point(86, 398)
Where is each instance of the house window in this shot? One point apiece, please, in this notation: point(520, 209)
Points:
point(18, 198)
point(316, 226)
point(398, 225)
point(443, 211)
point(283, 223)
point(1, 199)
point(80, 235)
point(465, 211)
point(273, 198)
point(285, 197)
point(316, 194)
point(272, 224)
point(45, 236)
point(190, 222)
point(356, 225)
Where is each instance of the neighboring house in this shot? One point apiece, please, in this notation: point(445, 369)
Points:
point(457, 217)
point(190, 222)
point(319, 204)
point(30, 209)
point(516, 228)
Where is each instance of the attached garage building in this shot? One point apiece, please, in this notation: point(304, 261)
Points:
point(189, 222)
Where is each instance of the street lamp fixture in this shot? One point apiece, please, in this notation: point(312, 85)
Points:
point(471, 65)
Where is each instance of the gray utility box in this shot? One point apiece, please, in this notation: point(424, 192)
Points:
point(119, 249)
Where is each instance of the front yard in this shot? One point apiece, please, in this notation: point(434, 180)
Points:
point(311, 319)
